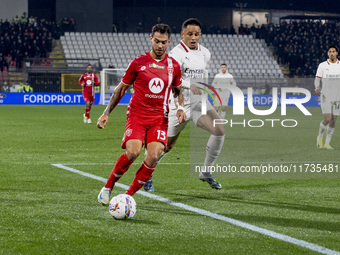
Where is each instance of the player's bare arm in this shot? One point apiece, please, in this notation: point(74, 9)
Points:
point(317, 85)
point(180, 114)
point(195, 90)
point(114, 100)
point(318, 90)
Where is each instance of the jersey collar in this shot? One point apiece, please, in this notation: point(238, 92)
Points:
point(157, 60)
point(329, 62)
point(187, 49)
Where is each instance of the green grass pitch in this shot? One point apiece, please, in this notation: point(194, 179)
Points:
point(48, 210)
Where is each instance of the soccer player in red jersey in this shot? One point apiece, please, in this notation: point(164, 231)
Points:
point(88, 81)
point(154, 76)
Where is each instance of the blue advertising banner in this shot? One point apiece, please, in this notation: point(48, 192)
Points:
point(77, 99)
point(267, 100)
point(50, 98)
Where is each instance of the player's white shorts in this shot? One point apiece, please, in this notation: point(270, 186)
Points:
point(224, 95)
point(329, 107)
point(193, 112)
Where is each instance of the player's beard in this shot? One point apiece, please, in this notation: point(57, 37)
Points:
point(158, 52)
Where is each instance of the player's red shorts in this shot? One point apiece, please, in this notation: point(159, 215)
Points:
point(88, 96)
point(145, 130)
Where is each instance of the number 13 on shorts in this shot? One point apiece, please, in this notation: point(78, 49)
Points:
point(161, 134)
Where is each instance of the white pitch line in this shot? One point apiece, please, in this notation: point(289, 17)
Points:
point(285, 238)
point(223, 163)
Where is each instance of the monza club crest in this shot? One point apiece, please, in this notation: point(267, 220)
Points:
point(170, 70)
point(156, 85)
point(128, 132)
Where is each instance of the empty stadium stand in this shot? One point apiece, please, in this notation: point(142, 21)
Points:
point(244, 55)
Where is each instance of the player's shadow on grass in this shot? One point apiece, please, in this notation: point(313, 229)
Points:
point(234, 197)
point(280, 221)
point(140, 221)
point(251, 139)
point(286, 222)
point(81, 140)
point(161, 209)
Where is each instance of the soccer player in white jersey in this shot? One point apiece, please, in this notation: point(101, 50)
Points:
point(193, 59)
point(329, 74)
point(220, 82)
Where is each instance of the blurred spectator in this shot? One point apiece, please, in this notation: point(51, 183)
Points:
point(114, 28)
point(29, 38)
point(16, 19)
point(5, 87)
point(25, 88)
point(3, 63)
point(72, 25)
point(18, 59)
point(232, 30)
point(31, 20)
point(300, 44)
point(139, 28)
point(65, 25)
point(24, 18)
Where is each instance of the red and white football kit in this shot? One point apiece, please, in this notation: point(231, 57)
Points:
point(147, 114)
point(90, 80)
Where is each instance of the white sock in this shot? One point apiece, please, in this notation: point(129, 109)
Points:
point(214, 147)
point(222, 116)
point(329, 134)
point(321, 129)
point(160, 157)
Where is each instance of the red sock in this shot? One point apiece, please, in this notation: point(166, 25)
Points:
point(143, 174)
point(87, 112)
point(121, 166)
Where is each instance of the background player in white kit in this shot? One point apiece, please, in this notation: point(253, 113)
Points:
point(220, 81)
point(193, 59)
point(329, 73)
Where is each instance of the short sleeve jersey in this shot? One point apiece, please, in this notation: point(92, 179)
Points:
point(194, 64)
point(330, 75)
point(152, 82)
point(90, 80)
point(221, 80)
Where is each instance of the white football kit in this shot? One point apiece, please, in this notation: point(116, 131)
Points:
point(220, 82)
point(194, 66)
point(329, 73)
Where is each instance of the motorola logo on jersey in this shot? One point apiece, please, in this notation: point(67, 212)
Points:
point(88, 82)
point(156, 85)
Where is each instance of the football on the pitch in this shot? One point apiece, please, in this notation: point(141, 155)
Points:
point(122, 206)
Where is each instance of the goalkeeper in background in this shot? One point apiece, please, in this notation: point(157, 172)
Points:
point(88, 81)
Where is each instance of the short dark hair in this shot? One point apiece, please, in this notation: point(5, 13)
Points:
point(334, 47)
point(223, 64)
point(161, 28)
point(88, 65)
point(191, 21)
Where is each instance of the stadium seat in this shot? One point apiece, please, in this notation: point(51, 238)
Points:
point(239, 51)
